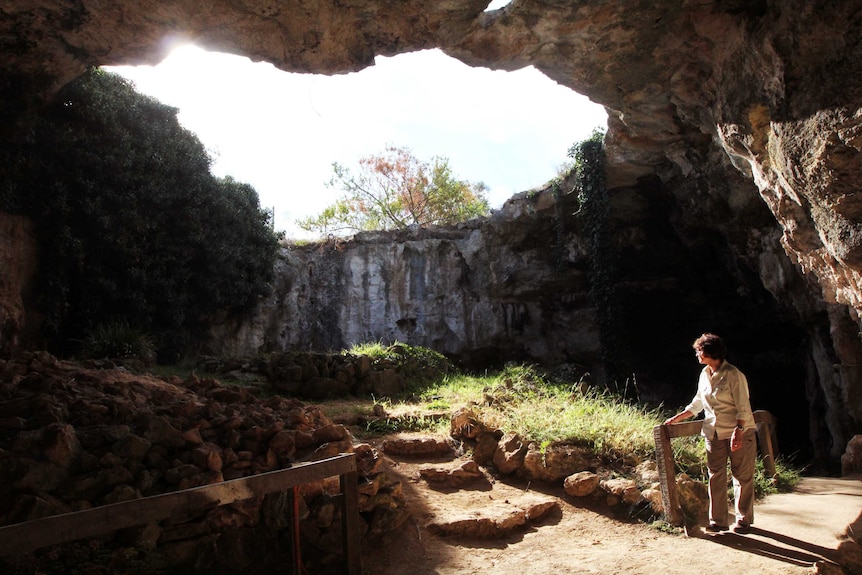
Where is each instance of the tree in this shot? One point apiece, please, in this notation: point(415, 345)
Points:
point(134, 229)
point(394, 190)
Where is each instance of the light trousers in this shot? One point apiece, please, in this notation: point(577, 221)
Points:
point(741, 469)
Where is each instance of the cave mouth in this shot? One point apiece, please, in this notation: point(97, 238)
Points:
point(268, 127)
point(282, 131)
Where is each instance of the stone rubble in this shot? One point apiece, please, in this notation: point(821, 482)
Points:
point(75, 436)
point(582, 474)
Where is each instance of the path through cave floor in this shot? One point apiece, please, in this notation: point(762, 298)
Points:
point(807, 531)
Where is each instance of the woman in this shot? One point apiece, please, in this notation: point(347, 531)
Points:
point(729, 429)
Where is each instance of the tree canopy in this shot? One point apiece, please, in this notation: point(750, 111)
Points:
point(133, 226)
point(394, 190)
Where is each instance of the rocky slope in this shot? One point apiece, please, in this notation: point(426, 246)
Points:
point(76, 436)
point(742, 118)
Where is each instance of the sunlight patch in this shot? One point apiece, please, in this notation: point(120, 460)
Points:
point(497, 4)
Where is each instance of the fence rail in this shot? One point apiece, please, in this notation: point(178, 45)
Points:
point(32, 535)
point(766, 440)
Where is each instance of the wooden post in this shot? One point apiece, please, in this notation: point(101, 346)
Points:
point(295, 544)
point(350, 523)
point(667, 476)
point(766, 440)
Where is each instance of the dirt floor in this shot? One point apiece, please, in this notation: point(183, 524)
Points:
point(808, 531)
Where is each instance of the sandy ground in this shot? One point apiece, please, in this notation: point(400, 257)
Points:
point(796, 533)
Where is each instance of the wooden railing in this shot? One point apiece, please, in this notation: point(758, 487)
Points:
point(662, 434)
point(32, 535)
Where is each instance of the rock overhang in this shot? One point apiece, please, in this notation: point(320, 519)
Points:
point(720, 102)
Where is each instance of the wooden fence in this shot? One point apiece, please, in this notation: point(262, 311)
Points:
point(32, 535)
point(766, 440)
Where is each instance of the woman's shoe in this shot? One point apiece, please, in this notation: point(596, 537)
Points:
point(741, 527)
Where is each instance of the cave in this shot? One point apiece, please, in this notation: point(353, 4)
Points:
point(734, 126)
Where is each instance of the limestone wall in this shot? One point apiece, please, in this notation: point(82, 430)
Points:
point(510, 287)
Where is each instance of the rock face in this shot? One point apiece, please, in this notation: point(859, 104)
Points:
point(741, 118)
point(512, 287)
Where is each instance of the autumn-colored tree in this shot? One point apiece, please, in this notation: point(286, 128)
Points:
point(395, 190)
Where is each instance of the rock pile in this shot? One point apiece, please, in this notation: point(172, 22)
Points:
point(455, 510)
point(581, 472)
point(75, 436)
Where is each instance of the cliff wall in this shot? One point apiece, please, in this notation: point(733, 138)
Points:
point(513, 286)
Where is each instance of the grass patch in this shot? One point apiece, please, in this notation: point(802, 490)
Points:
point(418, 365)
point(786, 478)
point(410, 423)
point(120, 341)
point(522, 399)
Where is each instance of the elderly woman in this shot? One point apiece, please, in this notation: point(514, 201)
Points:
point(729, 429)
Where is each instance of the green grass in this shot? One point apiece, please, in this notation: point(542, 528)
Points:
point(406, 357)
point(521, 399)
point(373, 349)
point(121, 341)
point(786, 478)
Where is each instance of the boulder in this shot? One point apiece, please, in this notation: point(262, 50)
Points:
point(491, 521)
point(418, 446)
point(851, 459)
point(368, 461)
point(161, 431)
point(693, 497)
point(621, 489)
point(133, 447)
point(208, 457)
point(485, 447)
point(553, 462)
point(62, 446)
point(653, 495)
point(581, 484)
point(510, 453)
point(463, 474)
point(494, 519)
point(465, 424)
point(647, 472)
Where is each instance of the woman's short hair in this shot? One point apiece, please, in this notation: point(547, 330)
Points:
point(711, 346)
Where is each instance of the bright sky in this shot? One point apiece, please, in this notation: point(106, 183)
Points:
point(281, 132)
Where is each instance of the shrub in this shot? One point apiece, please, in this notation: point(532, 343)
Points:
point(132, 225)
point(118, 340)
point(415, 363)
